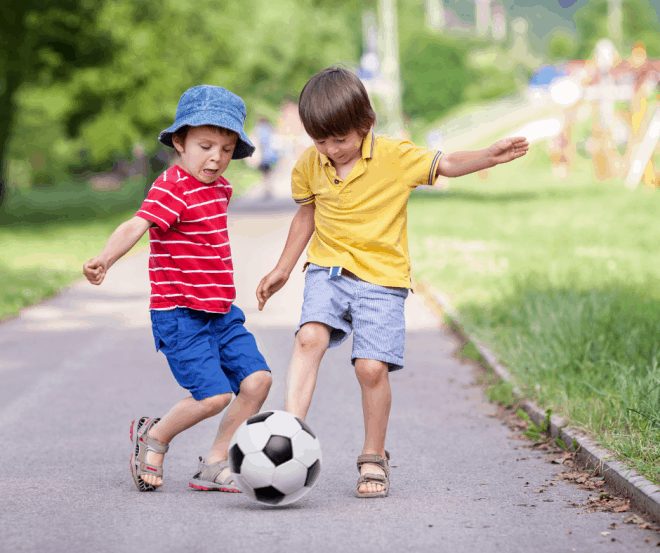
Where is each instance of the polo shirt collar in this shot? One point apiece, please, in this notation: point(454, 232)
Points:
point(368, 145)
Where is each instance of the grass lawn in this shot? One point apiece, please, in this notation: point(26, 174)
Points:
point(47, 233)
point(562, 279)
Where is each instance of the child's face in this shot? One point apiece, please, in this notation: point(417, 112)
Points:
point(206, 152)
point(341, 149)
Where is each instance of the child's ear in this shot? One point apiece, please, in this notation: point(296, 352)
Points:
point(177, 143)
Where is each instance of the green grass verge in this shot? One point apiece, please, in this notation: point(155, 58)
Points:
point(47, 233)
point(562, 280)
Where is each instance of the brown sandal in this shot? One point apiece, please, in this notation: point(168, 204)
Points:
point(382, 462)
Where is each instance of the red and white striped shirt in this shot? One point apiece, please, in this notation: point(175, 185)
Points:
point(190, 263)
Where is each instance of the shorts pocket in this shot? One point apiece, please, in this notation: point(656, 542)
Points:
point(165, 328)
point(235, 315)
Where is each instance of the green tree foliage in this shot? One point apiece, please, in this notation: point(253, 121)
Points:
point(562, 45)
point(435, 73)
point(262, 50)
point(440, 72)
point(640, 23)
point(41, 42)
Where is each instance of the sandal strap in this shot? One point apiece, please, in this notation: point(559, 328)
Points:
point(371, 458)
point(154, 445)
point(374, 459)
point(371, 477)
point(150, 469)
point(211, 472)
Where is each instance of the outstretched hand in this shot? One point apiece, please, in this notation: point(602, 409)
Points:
point(270, 284)
point(508, 149)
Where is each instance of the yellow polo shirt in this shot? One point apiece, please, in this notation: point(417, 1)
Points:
point(361, 221)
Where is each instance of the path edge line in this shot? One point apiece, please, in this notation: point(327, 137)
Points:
point(643, 494)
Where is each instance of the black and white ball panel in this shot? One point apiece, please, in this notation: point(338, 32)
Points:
point(305, 448)
point(290, 477)
point(283, 424)
point(251, 438)
point(278, 449)
point(257, 469)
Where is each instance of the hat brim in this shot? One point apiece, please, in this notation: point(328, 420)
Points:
point(244, 147)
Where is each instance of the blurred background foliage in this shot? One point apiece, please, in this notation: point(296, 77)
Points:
point(84, 83)
point(89, 98)
point(440, 72)
point(639, 23)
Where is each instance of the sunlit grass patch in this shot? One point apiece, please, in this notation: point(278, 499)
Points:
point(562, 280)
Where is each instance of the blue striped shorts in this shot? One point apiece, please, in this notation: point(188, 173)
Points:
point(373, 313)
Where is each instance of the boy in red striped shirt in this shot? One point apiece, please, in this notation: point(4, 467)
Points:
point(194, 321)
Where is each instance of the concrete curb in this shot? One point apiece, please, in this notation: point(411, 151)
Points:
point(643, 494)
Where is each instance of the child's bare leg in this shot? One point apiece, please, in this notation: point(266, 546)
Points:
point(253, 392)
point(376, 402)
point(309, 347)
point(186, 413)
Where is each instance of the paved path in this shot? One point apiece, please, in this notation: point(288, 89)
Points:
point(76, 369)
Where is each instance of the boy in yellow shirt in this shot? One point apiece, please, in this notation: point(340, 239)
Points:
point(352, 188)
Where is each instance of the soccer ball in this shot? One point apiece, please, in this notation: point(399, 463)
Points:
point(275, 457)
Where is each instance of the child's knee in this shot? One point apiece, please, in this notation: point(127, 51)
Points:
point(256, 386)
point(214, 404)
point(313, 337)
point(370, 372)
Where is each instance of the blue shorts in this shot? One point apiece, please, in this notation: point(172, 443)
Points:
point(373, 313)
point(209, 353)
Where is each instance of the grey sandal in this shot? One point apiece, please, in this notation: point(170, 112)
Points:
point(370, 477)
point(207, 478)
point(142, 443)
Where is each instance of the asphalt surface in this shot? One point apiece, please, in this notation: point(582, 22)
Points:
point(76, 369)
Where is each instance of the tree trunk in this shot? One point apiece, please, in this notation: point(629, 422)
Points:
point(7, 111)
point(12, 71)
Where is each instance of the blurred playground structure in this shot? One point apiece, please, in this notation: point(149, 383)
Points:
point(616, 98)
point(604, 108)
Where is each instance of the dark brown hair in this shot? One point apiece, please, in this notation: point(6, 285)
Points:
point(334, 102)
point(183, 132)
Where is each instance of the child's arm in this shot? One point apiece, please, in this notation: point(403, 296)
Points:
point(462, 163)
point(300, 231)
point(121, 240)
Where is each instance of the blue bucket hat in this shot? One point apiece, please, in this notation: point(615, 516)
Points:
point(211, 105)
